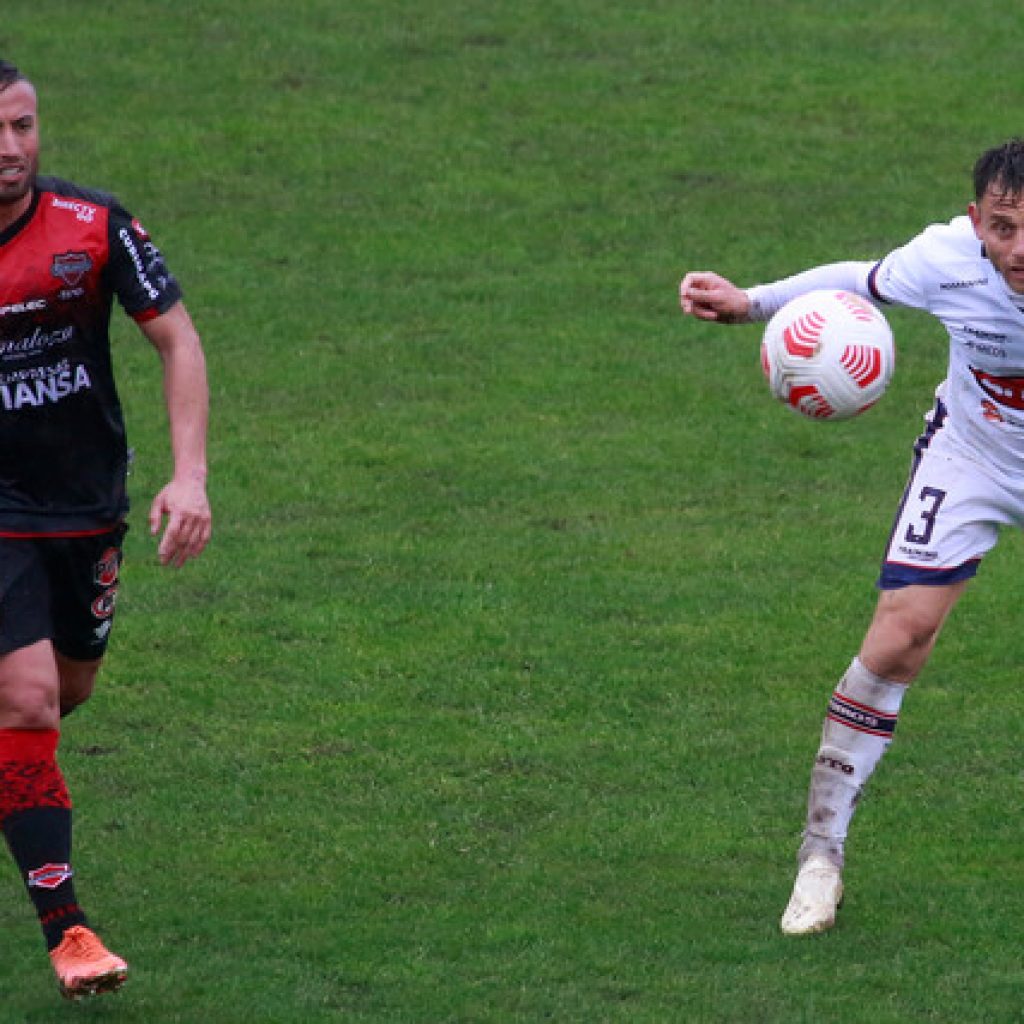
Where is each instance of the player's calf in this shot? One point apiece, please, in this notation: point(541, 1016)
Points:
point(859, 727)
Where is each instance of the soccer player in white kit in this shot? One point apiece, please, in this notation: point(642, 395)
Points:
point(966, 481)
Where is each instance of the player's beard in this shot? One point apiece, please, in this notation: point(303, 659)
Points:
point(14, 193)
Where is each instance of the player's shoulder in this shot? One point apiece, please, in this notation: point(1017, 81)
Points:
point(941, 250)
point(955, 237)
point(69, 191)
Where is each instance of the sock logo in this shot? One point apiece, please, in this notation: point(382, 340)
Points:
point(860, 717)
point(835, 764)
point(49, 876)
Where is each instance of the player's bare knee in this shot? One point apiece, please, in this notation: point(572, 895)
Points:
point(28, 701)
point(899, 642)
point(919, 632)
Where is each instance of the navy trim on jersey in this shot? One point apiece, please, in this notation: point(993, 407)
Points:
point(873, 288)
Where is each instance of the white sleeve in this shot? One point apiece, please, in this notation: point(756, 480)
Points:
point(903, 276)
point(850, 276)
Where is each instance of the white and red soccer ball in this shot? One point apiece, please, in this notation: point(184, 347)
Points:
point(828, 355)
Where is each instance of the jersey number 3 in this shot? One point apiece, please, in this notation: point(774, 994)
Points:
point(932, 498)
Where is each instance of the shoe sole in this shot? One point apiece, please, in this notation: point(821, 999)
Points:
point(110, 981)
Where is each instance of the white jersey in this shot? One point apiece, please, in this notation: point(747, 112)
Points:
point(967, 476)
point(944, 270)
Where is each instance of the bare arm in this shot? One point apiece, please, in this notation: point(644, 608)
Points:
point(183, 500)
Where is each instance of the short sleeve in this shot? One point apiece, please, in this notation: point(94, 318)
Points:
point(902, 277)
point(136, 269)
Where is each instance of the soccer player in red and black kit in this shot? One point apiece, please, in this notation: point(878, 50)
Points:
point(65, 254)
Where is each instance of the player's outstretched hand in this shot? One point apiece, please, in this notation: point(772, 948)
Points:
point(710, 296)
point(189, 521)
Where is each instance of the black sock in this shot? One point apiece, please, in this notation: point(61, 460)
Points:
point(40, 842)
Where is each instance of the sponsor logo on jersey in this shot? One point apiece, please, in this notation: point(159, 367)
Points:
point(30, 306)
point(85, 212)
point(988, 343)
point(984, 335)
point(1006, 391)
point(140, 271)
point(977, 282)
point(37, 341)
point(71, 267)
point(42, 384)
point(49, 876)
point(987, 349)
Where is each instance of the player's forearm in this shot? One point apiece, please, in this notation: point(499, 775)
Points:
point(851, 276)
point(187, 396)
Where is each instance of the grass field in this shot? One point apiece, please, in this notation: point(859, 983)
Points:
point(494, 698)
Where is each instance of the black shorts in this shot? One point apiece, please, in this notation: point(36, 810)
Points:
point(62, 589)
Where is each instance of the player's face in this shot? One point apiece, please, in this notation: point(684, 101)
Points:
point(999, 222)
point(19, 149)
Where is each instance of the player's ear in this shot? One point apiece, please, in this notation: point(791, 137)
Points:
point(975, 214)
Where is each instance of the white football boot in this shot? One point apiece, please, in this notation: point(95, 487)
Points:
point(817, 895)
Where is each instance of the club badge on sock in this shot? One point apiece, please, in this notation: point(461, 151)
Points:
point(49, 876)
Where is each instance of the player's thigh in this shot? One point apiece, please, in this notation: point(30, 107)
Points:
point(29, 688)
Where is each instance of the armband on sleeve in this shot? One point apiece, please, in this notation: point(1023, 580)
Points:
point(851, 276)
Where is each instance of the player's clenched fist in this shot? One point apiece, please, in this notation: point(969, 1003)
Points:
point(709, 296)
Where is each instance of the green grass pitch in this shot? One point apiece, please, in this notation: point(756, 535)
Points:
point(494, 699)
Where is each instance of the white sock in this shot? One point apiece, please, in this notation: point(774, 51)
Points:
point(858, 729)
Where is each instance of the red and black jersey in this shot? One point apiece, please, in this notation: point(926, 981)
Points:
point(63, 452)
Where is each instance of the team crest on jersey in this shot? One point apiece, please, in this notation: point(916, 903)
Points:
point(49, 876)
point(71, 267)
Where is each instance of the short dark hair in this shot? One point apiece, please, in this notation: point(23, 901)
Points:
point(1002, 168)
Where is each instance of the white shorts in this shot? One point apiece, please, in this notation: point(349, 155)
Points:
point(950, 515)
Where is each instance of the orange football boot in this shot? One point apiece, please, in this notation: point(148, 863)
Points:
point(84, 966)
